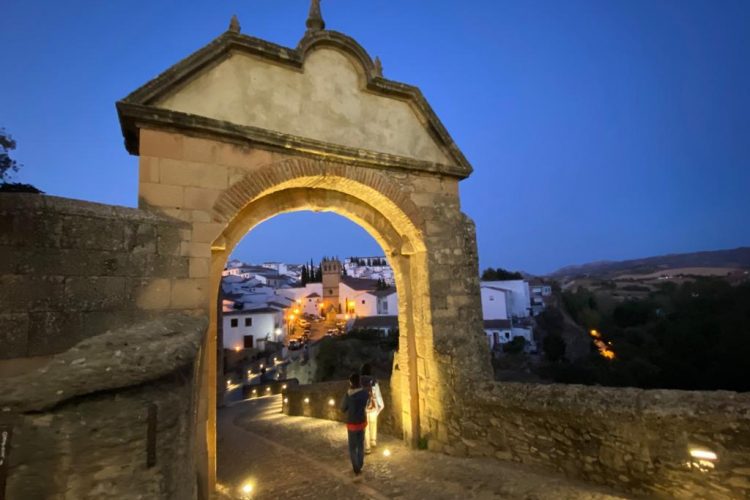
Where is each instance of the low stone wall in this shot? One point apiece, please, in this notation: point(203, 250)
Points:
point(72, 269)
point(268, 388)
point(113, 417)
point(630, 439)
point(314, 400)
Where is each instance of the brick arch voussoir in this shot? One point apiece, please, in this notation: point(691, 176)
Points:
point(231, 201)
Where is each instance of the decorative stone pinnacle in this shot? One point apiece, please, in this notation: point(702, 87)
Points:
point(378, 67)
point(314, 18)
point(234, 24)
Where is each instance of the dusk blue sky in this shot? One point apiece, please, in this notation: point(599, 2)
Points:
point(597, 129)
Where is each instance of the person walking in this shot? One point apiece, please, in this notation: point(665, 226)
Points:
point(354, 404)
point(374, 407)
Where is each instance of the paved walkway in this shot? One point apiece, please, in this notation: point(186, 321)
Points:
point(298, 457)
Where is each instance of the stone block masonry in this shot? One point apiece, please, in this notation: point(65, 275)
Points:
point(629, 439)
point(72, 269)
point(314, 400)
point(112, 417)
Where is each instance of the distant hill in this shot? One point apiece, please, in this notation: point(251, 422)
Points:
point(734, 258)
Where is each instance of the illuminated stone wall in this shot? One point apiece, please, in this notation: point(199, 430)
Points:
point(244, 130)
point(630, 439)
point(314, 400)
point(223, 190)
point(71, 269)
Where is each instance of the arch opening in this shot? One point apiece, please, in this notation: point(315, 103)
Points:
point(388, 225)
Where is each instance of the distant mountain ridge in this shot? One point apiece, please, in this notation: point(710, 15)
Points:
point(733, 258)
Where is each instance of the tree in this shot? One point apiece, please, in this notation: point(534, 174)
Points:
point(8, 166)
point(551, 321)
point(500, 274)
point(554, 348)
point(514, 346)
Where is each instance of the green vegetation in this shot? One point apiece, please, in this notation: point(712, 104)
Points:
point(515, 346)
point(692, 336)
point(9, 166)
point(311, 273)
point(500, 274)
point(338, 357)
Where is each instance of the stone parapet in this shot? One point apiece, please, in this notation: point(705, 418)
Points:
point(652, 442)
point(113, 417)
point(72, 269)
point(314, 400)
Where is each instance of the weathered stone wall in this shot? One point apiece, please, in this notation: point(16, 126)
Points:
point(319, 404)
point(630, 439)
point(71, 269)
point(79, 426)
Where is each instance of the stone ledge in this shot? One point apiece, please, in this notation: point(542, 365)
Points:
point(22, 202)
point(122, 357)
point(580, 399)
point(318, 405)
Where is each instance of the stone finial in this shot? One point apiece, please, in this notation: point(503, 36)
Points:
point(234, 24)
point(378, 67)
point(314, 18)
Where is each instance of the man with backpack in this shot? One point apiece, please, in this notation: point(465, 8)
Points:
point(354, 404)
point(374, 406)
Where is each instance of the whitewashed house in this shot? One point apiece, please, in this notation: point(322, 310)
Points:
point(506, 306)
point(242, 329)
point(519, 303)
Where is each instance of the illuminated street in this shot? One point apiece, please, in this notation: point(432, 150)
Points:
point(275, 456)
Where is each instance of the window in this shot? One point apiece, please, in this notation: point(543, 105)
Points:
point(363, 301)
point(248, 341)
point(248, 321)
point(233, 322)
point(507, 335)
point(492, 297)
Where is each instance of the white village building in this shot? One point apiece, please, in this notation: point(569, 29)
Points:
point(506, 311)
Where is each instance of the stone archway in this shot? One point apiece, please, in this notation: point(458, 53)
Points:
point(293, 185)
point(243, 130)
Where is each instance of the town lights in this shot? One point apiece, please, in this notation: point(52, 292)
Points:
point(237, 349)
point(386, 453)
point(277, 331)
point(307, 400)
point(331, 402)
point(286, 400)
point(283, 387)
point(268, 389)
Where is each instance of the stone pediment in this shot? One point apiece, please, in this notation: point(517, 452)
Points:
point(325, 99)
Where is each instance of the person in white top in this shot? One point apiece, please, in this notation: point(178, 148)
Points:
point(374, 407)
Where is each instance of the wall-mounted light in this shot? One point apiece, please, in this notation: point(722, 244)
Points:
point(703, 454)
point(307, 400)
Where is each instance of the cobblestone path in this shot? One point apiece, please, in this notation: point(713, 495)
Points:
point(298, 457)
